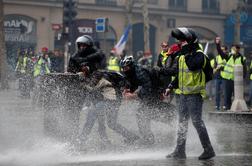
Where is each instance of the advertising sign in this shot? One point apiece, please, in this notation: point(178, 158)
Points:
point(20, 33)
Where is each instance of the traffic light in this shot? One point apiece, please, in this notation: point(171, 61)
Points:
point(69, 12)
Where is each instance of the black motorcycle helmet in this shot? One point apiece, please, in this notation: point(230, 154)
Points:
point(188, 35)
point(183, 33)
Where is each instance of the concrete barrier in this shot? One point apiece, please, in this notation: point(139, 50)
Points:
point(239, 103)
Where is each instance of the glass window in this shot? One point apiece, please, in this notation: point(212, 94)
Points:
point(177, 4)
point(249, 2)
point(154, 2)
point(210, 6)
point(106, 2)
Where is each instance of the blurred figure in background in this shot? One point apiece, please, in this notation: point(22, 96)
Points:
point(113, 62)
point(57, 61)
point(250, 84)
point(235, 58)
point(24, 71)
point(43, 63)
point(146, 60)
point(218, 68)
point(163, 56)
point(210, 84)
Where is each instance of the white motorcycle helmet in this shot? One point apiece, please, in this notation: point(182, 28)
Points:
point(85, 39)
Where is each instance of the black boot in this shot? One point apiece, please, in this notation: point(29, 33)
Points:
point(207, 154)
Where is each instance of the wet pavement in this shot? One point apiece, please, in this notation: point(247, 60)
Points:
point(23, 141)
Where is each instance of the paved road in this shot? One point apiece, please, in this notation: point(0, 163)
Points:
point(23, 141)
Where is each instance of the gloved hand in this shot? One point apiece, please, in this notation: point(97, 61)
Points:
point(128, 95)
point(167, 92)
point(85, 70)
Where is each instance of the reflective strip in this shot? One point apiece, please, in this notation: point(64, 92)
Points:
point(193, 89)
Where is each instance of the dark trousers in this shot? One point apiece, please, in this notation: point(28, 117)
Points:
point(218, 91)
point(157, 111)
point(228, 92)
point(25, 85)
point(191, 106)
point(250, 93)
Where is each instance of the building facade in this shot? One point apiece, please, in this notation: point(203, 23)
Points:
point(37, 24)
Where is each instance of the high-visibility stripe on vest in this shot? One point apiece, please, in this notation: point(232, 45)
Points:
point(228, 72)
point(38, 66)
point(191, 82)
point(113, 64)
point(164, 57)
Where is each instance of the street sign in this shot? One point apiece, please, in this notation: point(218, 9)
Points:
point(101, 24)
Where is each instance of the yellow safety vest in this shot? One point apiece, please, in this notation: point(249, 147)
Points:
point(21, 66)
point(113, 64)
point(228, 72)
point(220, 61)
point(212, 63)
point(191, 82)
point(37, 68)
point(164, 57)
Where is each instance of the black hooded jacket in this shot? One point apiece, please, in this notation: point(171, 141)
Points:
point(91, 57)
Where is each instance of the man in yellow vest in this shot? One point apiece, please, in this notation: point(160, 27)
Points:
point(113, 62)
point(163, 56)
point(21, 71)
point(191, 83)
point(235, 58)
point(43, 63)
point(218, 67)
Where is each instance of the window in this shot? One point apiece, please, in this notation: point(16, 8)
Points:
point(249, 2)
point(210, 6)
point(106, 2)
point(177, 4)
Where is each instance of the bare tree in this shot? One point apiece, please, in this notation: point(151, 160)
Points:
point(128, 21)
point(3, 65)
point(146, 26)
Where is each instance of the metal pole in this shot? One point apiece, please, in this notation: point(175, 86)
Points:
point(237, 26)
point(66, 48)
point(128, 21)
point(146, 26)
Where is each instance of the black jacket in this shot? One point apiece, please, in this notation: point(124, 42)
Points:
point(141, 81)
point(93, 58)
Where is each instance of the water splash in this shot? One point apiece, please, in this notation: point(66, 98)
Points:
point(43, 152)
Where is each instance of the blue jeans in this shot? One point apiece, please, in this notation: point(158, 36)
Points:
point(218, 91)
point(98, 112)
point(191, 106)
